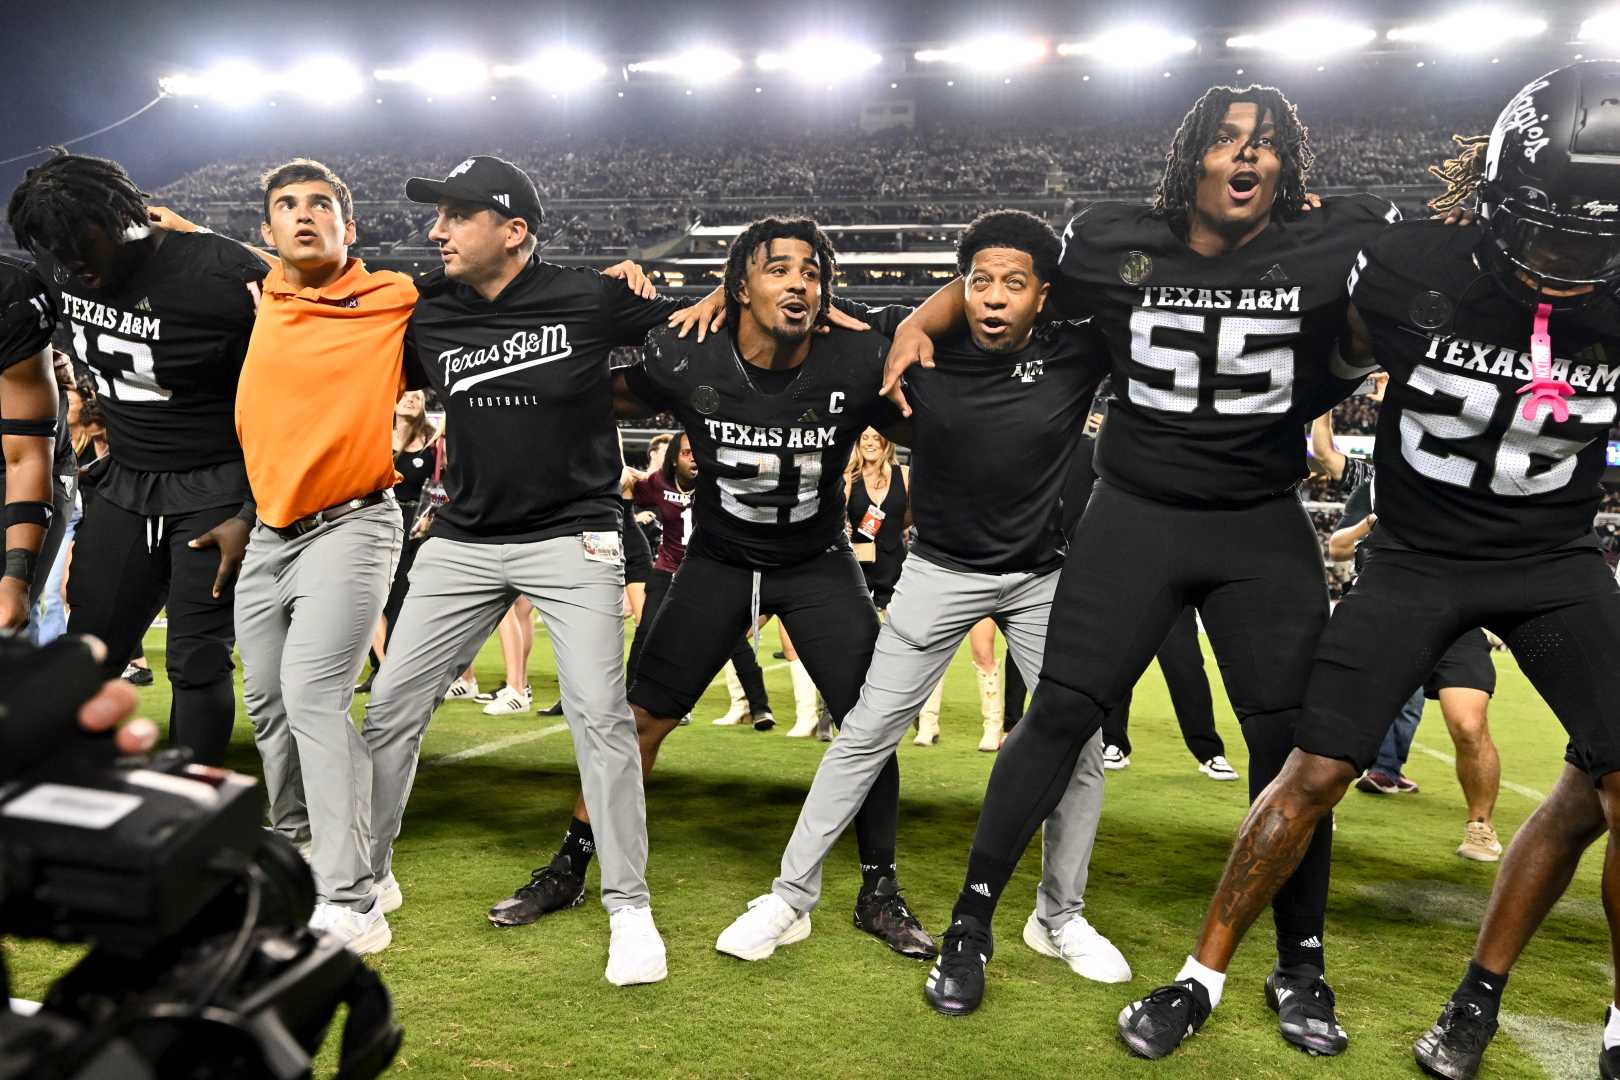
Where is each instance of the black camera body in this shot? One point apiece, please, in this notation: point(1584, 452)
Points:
point(202, 963)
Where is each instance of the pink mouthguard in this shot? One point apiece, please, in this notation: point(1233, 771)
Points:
point(1543, 388)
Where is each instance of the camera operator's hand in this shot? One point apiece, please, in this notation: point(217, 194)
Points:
point(114, 704)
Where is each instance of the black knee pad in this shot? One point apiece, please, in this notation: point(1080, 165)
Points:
point(201, 666)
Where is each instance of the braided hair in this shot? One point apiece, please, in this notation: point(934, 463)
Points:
point(762, 232)
point(1462, 174)
point(1184, 164)
point(57, 199)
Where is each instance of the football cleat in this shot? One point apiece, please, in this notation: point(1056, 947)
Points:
point(882, 912)
point(1453, 1047)
point(550, 888)
point(1155, 1025)
point(955, 984)
point(1609, 1056)
point(1304, 1002)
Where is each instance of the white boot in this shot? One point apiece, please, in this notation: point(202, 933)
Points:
point(804, 701)
point(990, 708)
point(928, 721)
point(739, 700)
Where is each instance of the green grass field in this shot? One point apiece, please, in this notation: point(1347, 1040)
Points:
point(482, 1002)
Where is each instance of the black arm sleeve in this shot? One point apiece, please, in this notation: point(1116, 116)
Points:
point(628, 318)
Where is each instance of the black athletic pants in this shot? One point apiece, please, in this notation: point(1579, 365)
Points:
point(126, 566)
point(1255, 574)
point(1559, 613)
point(742, 657)
point(1181, 662)
point(827, 610)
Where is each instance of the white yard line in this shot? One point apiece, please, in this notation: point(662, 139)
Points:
point(1518, 789)
point(493, 747)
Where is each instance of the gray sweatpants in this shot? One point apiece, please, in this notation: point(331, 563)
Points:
point(305, 609)
point(459, 591)
point(932, 610)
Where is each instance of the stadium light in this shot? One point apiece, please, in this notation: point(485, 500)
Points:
point(233, 83)
point(702, 65)
point(324, 79)
point(1002, 52)
point(1130, 46)
point(1602, 28)
point(821, 59)
point(1471, 30)
point(560, 66)
point(1306, 39)
point(444, 73)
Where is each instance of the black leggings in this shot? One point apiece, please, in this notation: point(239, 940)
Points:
point(1255, 574)
point(743, 659)
point(1181, 662)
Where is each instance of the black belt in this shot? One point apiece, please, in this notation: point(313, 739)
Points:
point(331, 513)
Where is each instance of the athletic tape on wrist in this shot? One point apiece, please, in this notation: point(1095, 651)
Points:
point(20, 564)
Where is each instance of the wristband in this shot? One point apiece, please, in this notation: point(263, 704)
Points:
point(27, 513)
point(43, 427)
point(20, 563)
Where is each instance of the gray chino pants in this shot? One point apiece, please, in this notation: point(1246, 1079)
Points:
point(932, 610)
point(459, 591)
point(305, 609)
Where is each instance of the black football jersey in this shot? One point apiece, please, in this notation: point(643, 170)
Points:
point(1460, 470)
point(531, 447)
point(1218, 362)
point(770, 457)
point(165, 348)
point(26, 314)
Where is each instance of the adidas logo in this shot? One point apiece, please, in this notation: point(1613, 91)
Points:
point(1276, 273)
point(981, 888)
point(809, 417)
point(1284, 995)
point(143, 304)
point(1312, 942)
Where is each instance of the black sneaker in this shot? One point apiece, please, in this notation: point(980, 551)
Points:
point(550, 710)
point(1452, 1049)
point(1609, 1058)
point(883, 914)
point(365, 687)
point(763, 720)
point(1303, 1002)
point(955, 983)
point(136, 675)
point(550, 888)
point(824, 725)
point(1158, 1023)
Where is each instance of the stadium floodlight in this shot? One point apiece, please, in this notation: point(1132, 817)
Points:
point(1130, 46)
point(324, 79)
point(559, 66)
point(821, 59)
point(443, 73)
point(701, 65)
point(1000, 52)
point(1602, 28)
point(1307, 39)
point(1479, 29)
point(234, 82)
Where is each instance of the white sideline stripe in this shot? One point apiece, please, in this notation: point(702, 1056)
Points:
point(1518, 789)
point(492, 747)
point(497, 745)
point(1561, 1048)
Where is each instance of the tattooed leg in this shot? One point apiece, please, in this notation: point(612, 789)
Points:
point(1270, 844)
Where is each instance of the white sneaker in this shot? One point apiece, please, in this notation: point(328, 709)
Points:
point(1113, 758)
point(1088, 954)
point(508, 701)
point(389, 896)
point(636, 952)
point(767, 923)
point(364, 932)
point(490, 695)
point(461, 690)
point(1218, 768)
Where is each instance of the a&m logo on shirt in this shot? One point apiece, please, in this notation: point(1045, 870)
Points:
point(466, 367)
point(1029, 370)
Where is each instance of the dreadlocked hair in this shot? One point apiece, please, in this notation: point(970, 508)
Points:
point(1184, 164)
point(56, 200)
point(761, 233)
point(1462, 174)
point(672, 450)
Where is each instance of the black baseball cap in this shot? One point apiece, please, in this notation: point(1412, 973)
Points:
point(486, 181)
